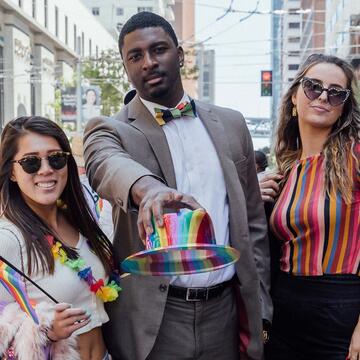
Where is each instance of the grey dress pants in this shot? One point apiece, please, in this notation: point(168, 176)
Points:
point(201, 330)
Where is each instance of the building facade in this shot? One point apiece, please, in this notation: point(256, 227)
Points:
point(40, 43)
point(276, 61)
point(343, 29)
point(114, 13)
point(291, 35)
point(184, 26)
point(313, 28)
point(206, 81)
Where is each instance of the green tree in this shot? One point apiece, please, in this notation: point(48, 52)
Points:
point(107, 71)
point(190, 70)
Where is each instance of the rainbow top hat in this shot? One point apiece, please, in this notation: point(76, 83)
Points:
point(185, 245)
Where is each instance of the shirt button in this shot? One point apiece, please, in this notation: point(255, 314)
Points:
point(163, 287)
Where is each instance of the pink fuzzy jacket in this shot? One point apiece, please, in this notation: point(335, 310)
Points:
point(29, 339)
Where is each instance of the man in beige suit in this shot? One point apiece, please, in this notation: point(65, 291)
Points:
point(148, 158)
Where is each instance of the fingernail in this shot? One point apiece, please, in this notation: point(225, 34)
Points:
point(149, 230)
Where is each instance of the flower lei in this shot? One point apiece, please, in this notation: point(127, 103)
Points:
point(106, 290)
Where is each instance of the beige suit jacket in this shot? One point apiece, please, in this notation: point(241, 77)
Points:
point(120, 150)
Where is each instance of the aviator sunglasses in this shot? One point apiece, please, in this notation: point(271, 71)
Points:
point(32, 163)
point(313, 89)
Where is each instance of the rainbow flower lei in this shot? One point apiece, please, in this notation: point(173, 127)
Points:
point(106, 290)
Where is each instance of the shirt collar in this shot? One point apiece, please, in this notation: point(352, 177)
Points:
point(151, 105)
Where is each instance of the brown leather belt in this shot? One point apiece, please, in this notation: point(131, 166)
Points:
point(200, 293)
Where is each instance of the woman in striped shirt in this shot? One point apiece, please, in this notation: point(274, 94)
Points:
point(317, 216)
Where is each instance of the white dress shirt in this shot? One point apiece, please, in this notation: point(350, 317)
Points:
point(198, 173)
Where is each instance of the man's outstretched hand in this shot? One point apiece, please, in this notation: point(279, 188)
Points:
point(152, 196)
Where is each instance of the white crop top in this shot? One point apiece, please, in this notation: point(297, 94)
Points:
point(64, 285)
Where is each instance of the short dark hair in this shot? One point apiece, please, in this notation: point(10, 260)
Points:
point(261, 160)
point(144, 20)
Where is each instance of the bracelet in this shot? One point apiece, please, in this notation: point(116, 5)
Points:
point(47, 335)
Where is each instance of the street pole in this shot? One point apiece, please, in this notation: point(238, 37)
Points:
point(78, 87)
point(201, 71)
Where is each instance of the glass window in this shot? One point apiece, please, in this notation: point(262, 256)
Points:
point(119, 11)
point(34, 9)
point(82, 44)
point(46, 13)
point(66, 30)
point(96, 11)
point(206, 76)
point(145, 8)
point(56, 21)
point(294, 25)
point(293, 66)
point(75, 38)
point(294, 39)
point(206, 90)
point(294, 53)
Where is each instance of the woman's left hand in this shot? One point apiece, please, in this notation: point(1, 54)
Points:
point(354, 349)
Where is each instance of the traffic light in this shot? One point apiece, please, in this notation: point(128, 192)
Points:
point(266, 83)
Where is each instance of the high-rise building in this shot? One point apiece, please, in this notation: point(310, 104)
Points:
point(206, 63)
point(276, 60)
point(291, 35)
point(114, 13)
point(343, 29)
point(40, 42)
point(184, 26)
point(313, 27)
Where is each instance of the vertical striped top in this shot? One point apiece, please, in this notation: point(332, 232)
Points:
point(320, 233)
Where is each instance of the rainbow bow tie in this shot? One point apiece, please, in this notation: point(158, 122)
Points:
point(183, 109)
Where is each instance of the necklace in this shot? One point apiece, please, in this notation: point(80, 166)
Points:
point(105, 290)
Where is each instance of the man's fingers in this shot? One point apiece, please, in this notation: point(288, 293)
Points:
point(141, 231)
point(153, 206)
point(157, 211)
point(190, 203)
point(146, 215)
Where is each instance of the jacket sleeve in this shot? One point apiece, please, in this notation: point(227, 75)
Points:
point(110, 169)
point(258, 230)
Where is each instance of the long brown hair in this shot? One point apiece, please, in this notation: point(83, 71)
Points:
point(32, 227)
point(344, 134)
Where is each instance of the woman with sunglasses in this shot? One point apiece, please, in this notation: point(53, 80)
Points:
point(317, 216)
point(48, 231)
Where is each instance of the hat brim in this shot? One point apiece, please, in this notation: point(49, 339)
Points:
point(180, 259)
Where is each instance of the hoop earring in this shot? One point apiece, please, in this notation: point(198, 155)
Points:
point(294, 111)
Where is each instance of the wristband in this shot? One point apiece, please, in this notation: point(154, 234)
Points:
point(47, 335)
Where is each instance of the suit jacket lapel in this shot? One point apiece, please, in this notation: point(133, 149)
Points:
point(140, 118)
point(216, 131)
